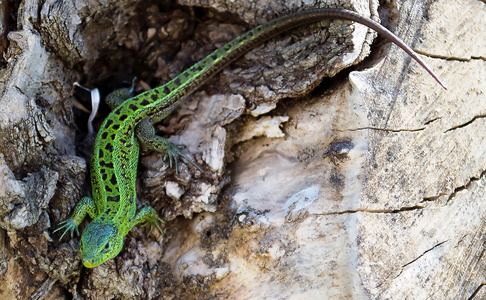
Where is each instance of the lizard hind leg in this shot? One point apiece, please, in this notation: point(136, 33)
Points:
point(148, 215)
point(146, 135)
point(119, 96)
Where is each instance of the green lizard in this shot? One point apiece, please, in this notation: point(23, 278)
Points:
point(116, 149)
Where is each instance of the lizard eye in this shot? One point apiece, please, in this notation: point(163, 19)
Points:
point(107, 246)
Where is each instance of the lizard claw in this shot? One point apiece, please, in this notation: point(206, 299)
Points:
point(173, 153)
point(152, 223)
point(67, 225)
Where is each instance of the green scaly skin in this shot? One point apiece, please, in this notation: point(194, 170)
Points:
point(116, 149)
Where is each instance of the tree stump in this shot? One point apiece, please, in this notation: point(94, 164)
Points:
point(334, 167)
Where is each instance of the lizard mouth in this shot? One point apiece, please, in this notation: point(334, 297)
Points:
point(91, 263)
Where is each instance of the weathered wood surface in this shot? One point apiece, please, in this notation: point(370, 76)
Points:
point(368, 186)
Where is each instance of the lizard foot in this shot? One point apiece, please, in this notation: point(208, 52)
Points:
point(173, 152)
point(67, 225)
point(149, 216)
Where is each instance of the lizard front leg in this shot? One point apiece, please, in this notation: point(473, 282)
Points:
point(146, 135)
point(85, 206)
point(147, 215)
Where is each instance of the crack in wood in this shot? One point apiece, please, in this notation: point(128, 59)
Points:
point(466, 124)
point(421, 255)
point(465, 186)
point(433, 198)
point(456, 190)
point(388, 129)
point(433, 120)
point(374, 211)
point(450, 58)
point(477, 291)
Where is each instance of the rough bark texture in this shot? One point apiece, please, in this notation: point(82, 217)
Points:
point(368, 185)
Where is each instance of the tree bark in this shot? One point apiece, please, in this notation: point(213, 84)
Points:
point(326, 175)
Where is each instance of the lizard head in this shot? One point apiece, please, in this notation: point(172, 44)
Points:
point(99, 243)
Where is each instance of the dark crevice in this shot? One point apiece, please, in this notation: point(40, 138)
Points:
point(8, 22)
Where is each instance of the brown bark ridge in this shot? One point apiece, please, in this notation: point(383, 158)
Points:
point(365, 185)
